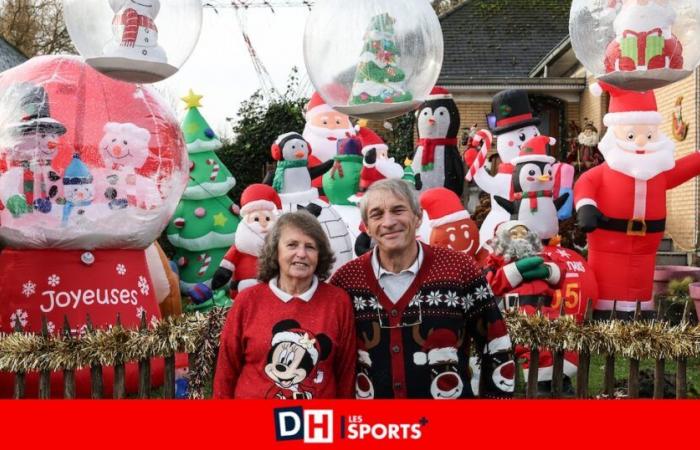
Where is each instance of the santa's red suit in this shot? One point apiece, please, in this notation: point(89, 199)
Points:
point(516, 291)
point(620, 252)
point(243, 265)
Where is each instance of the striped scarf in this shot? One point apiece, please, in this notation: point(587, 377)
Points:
point(533, 196)
point(278, 181)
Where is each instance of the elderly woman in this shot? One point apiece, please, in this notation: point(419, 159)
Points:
point(291, 336)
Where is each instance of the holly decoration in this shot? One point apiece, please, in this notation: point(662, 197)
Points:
point(378, 78)
point(203, 226)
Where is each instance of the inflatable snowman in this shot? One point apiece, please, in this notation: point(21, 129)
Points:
point(515, 124)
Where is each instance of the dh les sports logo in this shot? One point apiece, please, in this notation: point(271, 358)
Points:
point(315, 426)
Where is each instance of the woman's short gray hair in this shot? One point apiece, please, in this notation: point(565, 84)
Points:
point(268, 261)
point(398, 188)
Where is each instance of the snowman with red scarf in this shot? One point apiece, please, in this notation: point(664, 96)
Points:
point(515, 124)
point(135, 32)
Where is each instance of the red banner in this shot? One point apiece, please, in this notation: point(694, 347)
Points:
point(350, 424)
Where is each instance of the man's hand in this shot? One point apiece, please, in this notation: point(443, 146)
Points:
point(589, 217)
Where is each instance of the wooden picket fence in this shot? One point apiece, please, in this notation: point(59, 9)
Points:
point(584, 368)
point(530, 385)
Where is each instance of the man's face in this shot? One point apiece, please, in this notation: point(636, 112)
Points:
point(391, 222)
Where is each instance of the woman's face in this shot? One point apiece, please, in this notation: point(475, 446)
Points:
point(297, 255)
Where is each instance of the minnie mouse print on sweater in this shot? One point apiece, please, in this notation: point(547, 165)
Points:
point(293, 358)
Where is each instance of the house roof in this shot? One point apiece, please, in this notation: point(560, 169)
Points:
point(501, 38)
point(9, 56)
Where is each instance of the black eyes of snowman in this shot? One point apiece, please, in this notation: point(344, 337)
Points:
point(522, 137)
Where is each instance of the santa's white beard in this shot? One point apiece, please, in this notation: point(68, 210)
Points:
point(641, 167)
point(321, 147)
point(645, 18)
point(250, 238)
point(517, 249)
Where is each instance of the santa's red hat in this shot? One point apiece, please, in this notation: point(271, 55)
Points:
point(439, 93)
point(259, 197)
point(370, 140)
point(536, 149)
point(443, 206)
point(316, 105)
point(628, 107)
point(439, 346)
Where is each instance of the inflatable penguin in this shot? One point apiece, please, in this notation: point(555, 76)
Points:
point(514, 125)
point(292, 180)
point(532, 189)
point(437, 162)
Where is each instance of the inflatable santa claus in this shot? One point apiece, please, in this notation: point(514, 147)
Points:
point(324, 128)
point(643, 37)
point(260, 206)
point(621, 203)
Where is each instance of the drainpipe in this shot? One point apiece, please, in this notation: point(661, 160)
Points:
point(697, 181)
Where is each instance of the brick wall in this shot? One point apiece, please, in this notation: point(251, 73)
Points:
point(682, 221)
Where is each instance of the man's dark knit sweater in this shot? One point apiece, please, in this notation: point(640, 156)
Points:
point(420, 346)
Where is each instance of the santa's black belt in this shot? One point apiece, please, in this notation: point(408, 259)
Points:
point(513, 300)
point(633, 227)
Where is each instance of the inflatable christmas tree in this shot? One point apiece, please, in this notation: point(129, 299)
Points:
point(379, 79)
point(204, 224)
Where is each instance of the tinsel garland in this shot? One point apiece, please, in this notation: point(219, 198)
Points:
point(199, 335)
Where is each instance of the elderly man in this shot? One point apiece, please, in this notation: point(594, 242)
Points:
point(419, 309)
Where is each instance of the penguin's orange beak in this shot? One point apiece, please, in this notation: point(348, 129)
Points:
point(544, 178)
point(432, 121)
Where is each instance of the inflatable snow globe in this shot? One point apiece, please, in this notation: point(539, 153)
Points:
point(373, 59)
point(86, 162)
point(635, 44)
point(142, 41)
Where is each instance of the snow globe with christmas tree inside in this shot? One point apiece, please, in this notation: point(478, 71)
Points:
point(373, 59)
point(634, 44)
point(142, 41)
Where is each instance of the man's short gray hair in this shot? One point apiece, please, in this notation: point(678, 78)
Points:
point(398, 188)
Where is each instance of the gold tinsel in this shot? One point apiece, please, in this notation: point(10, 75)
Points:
point(637, 340)
point(198, 334)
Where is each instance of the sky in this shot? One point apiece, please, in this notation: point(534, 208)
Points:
point(221, 69)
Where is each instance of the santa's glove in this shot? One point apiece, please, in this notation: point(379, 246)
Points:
point(419, 183)
point(589, 216)
point(539, 273)
point(18, 205)
point(221, 277)
point(528, 264)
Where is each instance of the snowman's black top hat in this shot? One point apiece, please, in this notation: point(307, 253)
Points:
point(35, 114)
point(512, 110)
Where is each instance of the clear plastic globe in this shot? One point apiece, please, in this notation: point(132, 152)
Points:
point(637, 45)
point(373, 59)
point(86, 162)
point(142, 41)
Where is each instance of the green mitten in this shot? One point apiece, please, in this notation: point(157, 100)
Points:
point(18, 205)
point(539, 273)
point(527, 264)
